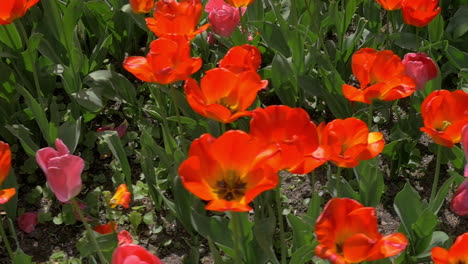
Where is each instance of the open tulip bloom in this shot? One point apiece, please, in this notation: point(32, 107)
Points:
point(419, 13)
point(5, 165)
point(13, 9)
point(62, 169)
point(229, 172)
point(179, 18)
point(457, 254)
point(168, 61)
point(381, 76)
point(445, 113)
point(347, 232)
point(349, 141)
point(132, 254)
point(290, 132)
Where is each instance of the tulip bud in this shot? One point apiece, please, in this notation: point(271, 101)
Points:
point(459, 202)
point(421, 68)
point(27, 222)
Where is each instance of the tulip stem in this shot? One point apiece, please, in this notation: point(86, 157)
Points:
point(338, 181)
point(5, 240)
point(279, 208)
point(179, 122)
point(235, 231)
point(436, 176)
point(312, 181)
point(369, 117)
point(89, 232)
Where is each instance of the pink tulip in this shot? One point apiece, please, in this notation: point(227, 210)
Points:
point(27, 222)
point(130, 253)
point(421, 68)
point(223, 18)
point(62, 170)
point(459, 202)
point(465, 147)
point(124, 237)
point(121, 129)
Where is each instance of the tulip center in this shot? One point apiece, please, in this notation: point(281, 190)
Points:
point(445, 124)
point(225, 102)
point(231, 187)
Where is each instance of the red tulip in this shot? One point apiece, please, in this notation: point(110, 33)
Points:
point(465, 147)
point(347, 232)
point(168, 61)
point(124, 238)
point(421, 68)
point(457, 254)
point(381, 75)
point(121, 197)
point(229, 172)
point(419, 13)
point(390, 4)
point(223, 18)
point(290, 132)
point(176, 18)
point(141, 6)
point(62, 170)
point(349, 141)
point(241, 58)
point(445, 113)
point(132, 254)
point(28, 221)
point(459, 204)
point(223, 95)
point(106, 229)
point(5, 164)
point(13, 9)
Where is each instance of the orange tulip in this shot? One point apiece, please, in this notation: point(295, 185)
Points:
point(239, 3)
point(419, 13)
point(121, 197)
point(381, 75)
point(168, 61)
point(458, 253)
point(390, 4)
point(13, 9)
point(223, 95)
point(445, 113)
point(5, 165)
point(242, 58)
point(347, 232)
point(141, 6)
point(290, 132)
point(176, 18)
point(349, 141)
point(229, 172)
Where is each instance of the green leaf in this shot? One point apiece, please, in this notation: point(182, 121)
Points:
point(90, 99)
point(135, 220)
point(10, 36)
point(408, 207)
point(283, 80)
point(264, 230)
point(303, 254)
point(19, 257)
point(436, 29)
point(214, 227)
point(406, 40)
point(70, 132)
point(23, 134)
point(458, 24)
point(112, 83)
point(115, 145)
point(303, 233)
point(107, 243)
point(371, 182)
point(456, 57)
point(441, 195)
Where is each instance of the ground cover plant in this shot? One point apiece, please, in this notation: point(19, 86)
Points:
point(233, 131)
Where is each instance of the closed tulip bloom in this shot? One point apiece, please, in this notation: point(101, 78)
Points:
point(458, 253)
point(132, 254)
point(445, 113)
point(168, 61)
point(121, 197)
point(290, 132)
point(223, 18)
point(239, 3)
point(5, 165)
point(349, 141)
point(381, 75)
point(390, 4)
point(62, 169)
point(459, 204)
point(124, 238)
point(223, 95)
point(108, 228)
point(176, 18)
point(229, 172)
point(241, 58)
point(421, 68)
point(13, 9)
point(28, 221)
point(141, 6)
point(347, 232)
point(465, 147)
point(419, 13)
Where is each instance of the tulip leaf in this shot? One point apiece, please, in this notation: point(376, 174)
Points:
point(264, 230)
point(19, 257)
point(438, 239)
point(441, 195)
point(436, 29)
point(115, 145)
point(214, 227)
point(24, 136)
point(458, 25)
point(303, 254)
point(107, 243)
point(303, 232)
point(10, 36)
point(371, 182)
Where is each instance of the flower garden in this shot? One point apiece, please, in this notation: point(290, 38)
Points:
point(233, 131)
